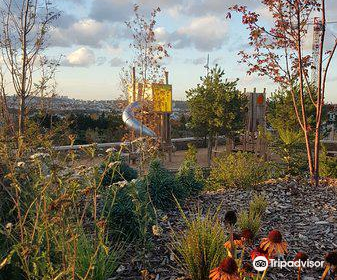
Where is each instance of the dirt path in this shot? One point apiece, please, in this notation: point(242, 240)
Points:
point(177, 159)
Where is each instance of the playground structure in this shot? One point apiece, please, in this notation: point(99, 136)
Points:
point(252, 139)
point(160, 95)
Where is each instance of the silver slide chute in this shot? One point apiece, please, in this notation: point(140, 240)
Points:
point(130, 120)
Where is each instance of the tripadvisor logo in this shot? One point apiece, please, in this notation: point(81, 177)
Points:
point(261, 263)
point(298, 263)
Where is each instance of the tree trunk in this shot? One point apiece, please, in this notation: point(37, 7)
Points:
point(316, 156)
point(21, 116)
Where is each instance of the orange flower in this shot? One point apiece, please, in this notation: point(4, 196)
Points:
point(300, 256)
point(274, 243)
point(238, 242)
point(247, 235)
point(331, 263)
point(257, 252)
point(228, 270)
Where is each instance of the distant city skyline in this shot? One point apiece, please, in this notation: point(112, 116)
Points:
point(92, 36)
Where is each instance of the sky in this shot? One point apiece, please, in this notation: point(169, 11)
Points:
point(94, 43)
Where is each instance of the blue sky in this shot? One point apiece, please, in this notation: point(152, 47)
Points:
point(92, 38)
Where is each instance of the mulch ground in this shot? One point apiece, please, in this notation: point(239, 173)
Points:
point(307, 217)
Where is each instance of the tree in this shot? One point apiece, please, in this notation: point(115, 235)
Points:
point(277, 52)
point(216, 107)
point(287, 137)
point(23, 35)
point(147, 62)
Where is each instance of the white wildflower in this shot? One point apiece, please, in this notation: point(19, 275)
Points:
point(110, 150)
point(21, 164)
point(122, 184)
point(157, 230)
point(134, 181)
point(39, 155)
point(9, 226)
point(113, 164)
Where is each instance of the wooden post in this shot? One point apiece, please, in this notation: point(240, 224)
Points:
point(168, 141)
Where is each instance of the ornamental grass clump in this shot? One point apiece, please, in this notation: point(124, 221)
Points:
point(128, 209)
point(96, 261)
point(199, 248)
point(251, 218)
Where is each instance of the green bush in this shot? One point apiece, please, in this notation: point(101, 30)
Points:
point(163, 186)
point(116, 169)
point(190, 175)
point(190, 178)
point(200, 247)
point(236, 170)
point(128, 209)
point(288, 144)
point(327, 165)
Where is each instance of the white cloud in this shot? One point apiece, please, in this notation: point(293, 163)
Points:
point(116, 62)
point(215, 7)
point(161, 34)
point(101, 60)
point(197, 61)
point(111, 10)
point(83, 57)
point(87, 32)
point(204, 33)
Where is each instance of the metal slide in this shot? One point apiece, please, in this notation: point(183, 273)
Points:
point(130, 120)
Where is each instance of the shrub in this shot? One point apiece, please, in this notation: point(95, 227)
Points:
point(190, 175)
point(327, 165)
point(236, 170)
point(163, 186)
point(289, 146)
point(128, 209)
point(200, 247)
point(116, 169)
